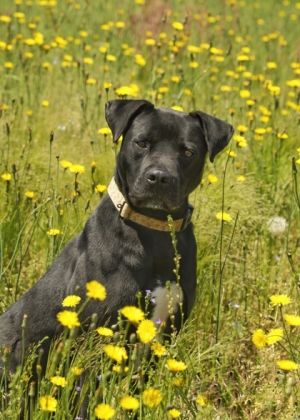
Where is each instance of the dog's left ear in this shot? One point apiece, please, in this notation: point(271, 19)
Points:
point(217, 133)
point(120, 113)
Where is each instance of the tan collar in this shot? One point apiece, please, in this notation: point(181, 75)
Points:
point(126, 212)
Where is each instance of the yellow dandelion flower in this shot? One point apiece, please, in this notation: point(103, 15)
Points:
point(88, 60)
point(146, 331)
point(71, 301)
point(224, 216)
point(105, 131)
point(95, 290)
point(241, 178)
point(132, 313)
point(53, 232)
point(91, 81)
point(286, 364)
point(48, 403)
point(68, 319)
point(100, 188)
point(58, 381)
point(280, 300)
point(245, 94)
point(65, 164)
point(178, 26)
point(293, 320)
point(116, 353)
point(140, 60)
point(242, 128)
point(107, 85)
point(29, 194)
point(158, 349)
point(77, 371)
point(8, 65)
point(177, 108)
point(45, 103)
point(174, 365)
point(129, 403)
point(212, 179)
point(232, 153)
point(274, 335)
point(105, 332)
point(201, 400)
point(152, 397)
point(120, 369)
point(111, 58)
point(6, 176)
point(5, 19)
point(259, 338)
point(174, 413)
point(77, 169)
point(104, 411)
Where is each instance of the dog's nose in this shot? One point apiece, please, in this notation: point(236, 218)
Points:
point(157, 176)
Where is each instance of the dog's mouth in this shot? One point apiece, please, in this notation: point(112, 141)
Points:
point(155, 202)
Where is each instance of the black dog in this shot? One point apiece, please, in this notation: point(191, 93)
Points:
point(126, 243)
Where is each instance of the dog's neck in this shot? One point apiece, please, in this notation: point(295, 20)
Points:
point(150, 218)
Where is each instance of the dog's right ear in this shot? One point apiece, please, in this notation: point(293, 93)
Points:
point(120, 113)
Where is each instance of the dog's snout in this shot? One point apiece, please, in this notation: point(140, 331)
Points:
point(158, 177)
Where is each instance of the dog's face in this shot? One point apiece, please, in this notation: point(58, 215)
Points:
point(163, 151)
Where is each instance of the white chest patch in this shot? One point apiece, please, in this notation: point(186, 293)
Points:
point(167, 300)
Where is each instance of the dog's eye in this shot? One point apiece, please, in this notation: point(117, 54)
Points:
point(143, 144)
point(188, 152)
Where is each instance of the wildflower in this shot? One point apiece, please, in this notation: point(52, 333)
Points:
point(71, 301)
point(277, 225)
point(48, 403)
point(146, 331)
point(133, 314)
point(29, 194)
point(68, 319)
point(53, 232)
point(58, 381)
point(287, 364)
point(212, 179)
point(65, 164)
point(77, 371)
point(45, 103)
point(274, 335)
point(105, 131)
point(6, 176)
point(116, 353)
point(177, 108)
point(129, 403)
point(158, 349)
point(140, 60)
point(100, 188)
point(223, 216)
point(242, 128)
point(293, 320)
point(241, 178)
point(259, 338)
point(231, 153)
point(174, 413)
point(178, 26)
point(95, 290)
point(131, 90)
point(77, 169)
point(280, 300)
point(88, 60)
point(105, 332)
point(104, 411)
point(175, 366)
point(107, 85)
point(152, 397)
point(201, 400)
point(110, 57)
point(245, 94)
point(91, 81)
point(120, 369)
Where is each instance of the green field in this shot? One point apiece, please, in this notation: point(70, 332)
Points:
point(60, 61)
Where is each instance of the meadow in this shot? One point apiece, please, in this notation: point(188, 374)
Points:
point(238, 355)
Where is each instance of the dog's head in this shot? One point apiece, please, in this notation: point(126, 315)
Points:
point(163, 151)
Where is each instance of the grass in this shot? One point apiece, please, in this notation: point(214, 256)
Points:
point(239, 60)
